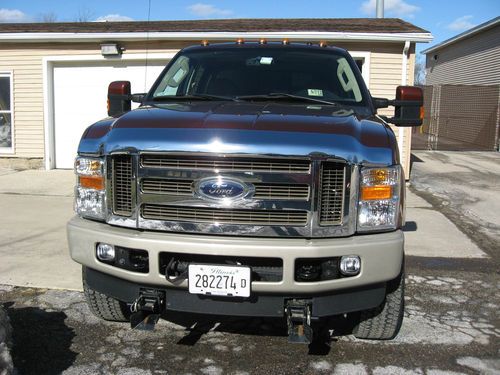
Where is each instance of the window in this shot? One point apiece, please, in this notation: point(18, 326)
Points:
point(6, 112)
point(362, 59)
point(238, 72)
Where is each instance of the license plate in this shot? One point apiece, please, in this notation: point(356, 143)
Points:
point(230, 281)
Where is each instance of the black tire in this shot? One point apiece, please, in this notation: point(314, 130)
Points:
point(384, 322)
point(104, 306)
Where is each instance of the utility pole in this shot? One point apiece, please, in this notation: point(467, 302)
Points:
point(380, 8)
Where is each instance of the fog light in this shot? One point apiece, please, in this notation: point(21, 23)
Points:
point(105, 251)
point(350, 265)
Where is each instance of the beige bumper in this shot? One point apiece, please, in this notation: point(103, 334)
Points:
point(381, 254)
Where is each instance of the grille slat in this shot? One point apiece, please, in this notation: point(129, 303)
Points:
point(174, 187)
point(332, 193)
point(122, 185)
point(225, 164)
point(262, 190)
point(223, 216)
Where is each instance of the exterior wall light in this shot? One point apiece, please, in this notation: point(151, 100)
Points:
point(111, 49)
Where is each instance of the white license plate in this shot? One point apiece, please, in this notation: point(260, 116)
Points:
point(230, 281)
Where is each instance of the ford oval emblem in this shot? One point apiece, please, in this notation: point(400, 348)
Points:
point(221, 188)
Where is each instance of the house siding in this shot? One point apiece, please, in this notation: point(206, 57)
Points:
point(26, 63)
point(385, 75)
point(470, 61)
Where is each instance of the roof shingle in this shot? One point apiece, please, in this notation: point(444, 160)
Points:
point(353, 25)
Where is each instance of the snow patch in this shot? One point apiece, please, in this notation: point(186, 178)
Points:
point(321, 366)
point(211, 370)
point(484, 366)
point(350, 369)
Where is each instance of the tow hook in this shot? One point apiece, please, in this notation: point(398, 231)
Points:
point(146, 310)
point(298, 317)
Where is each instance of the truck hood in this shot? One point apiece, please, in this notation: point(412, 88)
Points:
point(246, 128)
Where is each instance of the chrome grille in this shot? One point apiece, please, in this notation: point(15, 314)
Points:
point(225, 164)
point(223, 215)
point(122, 185)
point(262, 190)
point(332, 193)
point(163, 186)
point(281, 191)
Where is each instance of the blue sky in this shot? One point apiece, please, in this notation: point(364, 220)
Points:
point(444, 18)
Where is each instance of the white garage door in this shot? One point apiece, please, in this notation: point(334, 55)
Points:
point(80, 94)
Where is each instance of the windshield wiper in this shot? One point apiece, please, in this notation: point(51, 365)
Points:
point(283, 95)
point(194, 97)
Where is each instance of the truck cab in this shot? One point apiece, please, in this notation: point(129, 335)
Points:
point(254, 179)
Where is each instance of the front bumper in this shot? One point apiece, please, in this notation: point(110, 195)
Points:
point(381, 255)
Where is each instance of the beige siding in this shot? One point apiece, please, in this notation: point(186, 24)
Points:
point(385, 76)
point(471, 61)
point(25, 60)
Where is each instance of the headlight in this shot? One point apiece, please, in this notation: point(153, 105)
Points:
point(379, 198)
point(90, 197)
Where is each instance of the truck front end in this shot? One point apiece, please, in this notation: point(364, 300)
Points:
point(245, 185)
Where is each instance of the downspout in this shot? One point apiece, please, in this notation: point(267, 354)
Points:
point(403, 83)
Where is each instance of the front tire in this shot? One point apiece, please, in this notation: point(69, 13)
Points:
point(384, 321)
point(104, 306)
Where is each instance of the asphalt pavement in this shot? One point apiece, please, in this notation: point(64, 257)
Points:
point(451, 323)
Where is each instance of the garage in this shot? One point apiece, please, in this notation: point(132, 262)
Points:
point(57, 73)
point(80, 94)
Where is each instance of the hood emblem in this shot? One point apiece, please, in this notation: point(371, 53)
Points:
point(221, 188)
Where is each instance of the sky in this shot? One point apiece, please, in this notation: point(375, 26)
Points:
point(443, 18)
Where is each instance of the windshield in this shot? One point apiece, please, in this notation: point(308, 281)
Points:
point(257, 73)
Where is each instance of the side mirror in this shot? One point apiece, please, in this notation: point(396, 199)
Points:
point(409, 110)
point(118, 98)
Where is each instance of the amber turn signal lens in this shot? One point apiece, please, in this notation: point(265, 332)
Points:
point(92, 182)
point(422, 113)
point(370, 193)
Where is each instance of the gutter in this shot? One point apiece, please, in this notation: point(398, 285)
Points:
point(404, 81)
point(214, 36)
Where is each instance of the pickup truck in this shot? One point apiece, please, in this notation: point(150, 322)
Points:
point(254, 179)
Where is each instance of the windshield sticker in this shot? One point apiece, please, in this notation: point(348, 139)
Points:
point(314, 92)
point(266, 60)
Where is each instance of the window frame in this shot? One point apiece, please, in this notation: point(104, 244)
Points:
point(9, 150)
point(364, 56)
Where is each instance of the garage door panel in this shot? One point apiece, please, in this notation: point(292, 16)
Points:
point(80, 94)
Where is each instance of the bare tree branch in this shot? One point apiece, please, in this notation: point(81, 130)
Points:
point(85, 15)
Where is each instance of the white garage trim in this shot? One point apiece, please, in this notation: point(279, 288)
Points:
point(48, 90)
point(216, 35)
point(9, 150)
point(366, 56)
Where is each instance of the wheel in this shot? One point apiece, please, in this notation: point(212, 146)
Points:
point(384, 321)
point(104, 306)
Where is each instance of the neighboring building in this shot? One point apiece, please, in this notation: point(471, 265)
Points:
point(462, 93)
point(470, 58)
point(54, 78)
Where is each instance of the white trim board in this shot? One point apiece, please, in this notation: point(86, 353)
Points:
point(366, 56)
point(271, 36)
point(9, 151)
point(48, 63)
